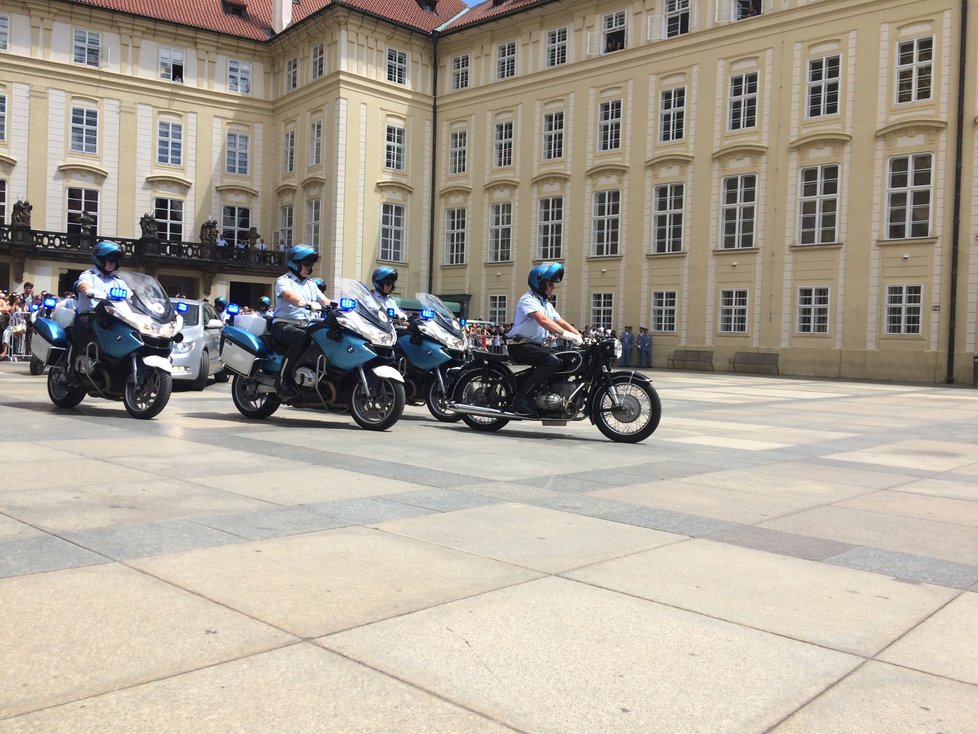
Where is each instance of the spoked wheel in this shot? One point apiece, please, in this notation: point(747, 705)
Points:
point(485, 392)
point(381, 411)
point(637, 415)
point(60, 390)
point(37, 366)
point(249, 402)
point(147, 392)
point(437, 403)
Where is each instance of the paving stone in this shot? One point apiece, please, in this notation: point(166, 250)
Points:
point(441, 500)
point(40, 553)
point(908, 567)
point(150, 539)
point(272, 523)
point(671, 522)
point(368, 510)
point(785, 544)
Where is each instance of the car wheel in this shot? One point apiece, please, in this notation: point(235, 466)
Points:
point(201, 381)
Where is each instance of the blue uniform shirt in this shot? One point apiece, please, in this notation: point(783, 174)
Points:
point(101, 285)
point(526, 327)
point(302, 287)
point(388, 302)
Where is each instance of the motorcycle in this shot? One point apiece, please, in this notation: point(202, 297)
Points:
point(430, 352)
point(127, 357)
point(348, 366)
point(622, 404)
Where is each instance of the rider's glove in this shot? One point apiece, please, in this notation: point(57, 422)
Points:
point(314, 306)
point(575, 339)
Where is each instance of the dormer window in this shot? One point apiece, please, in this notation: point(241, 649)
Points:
point(236, 7)
point(429, 6)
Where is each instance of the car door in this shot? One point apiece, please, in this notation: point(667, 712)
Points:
point(213, 337)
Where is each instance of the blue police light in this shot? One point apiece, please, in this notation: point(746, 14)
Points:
point(427, 313)
point(463, 322)
point(348, 304)
point(182, 307)
point(50, 302)
point(233, 309)
point(391, 312)
point(35, 307)
point(118, 294)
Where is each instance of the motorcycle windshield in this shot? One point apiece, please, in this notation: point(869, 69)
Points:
point(443, 314)
point(368, 306)
point(146, 296)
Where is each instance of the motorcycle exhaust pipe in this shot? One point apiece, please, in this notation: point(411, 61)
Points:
point(485, 412)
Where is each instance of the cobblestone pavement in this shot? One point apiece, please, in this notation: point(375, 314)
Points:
point(783, 555)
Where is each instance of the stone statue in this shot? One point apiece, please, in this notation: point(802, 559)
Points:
point(253, 236)
point(208, 232)
point(87, 222)
point(147, 223)
point(21, 213)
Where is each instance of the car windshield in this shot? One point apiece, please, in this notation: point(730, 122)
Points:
point(191, 317)
point(147, 296)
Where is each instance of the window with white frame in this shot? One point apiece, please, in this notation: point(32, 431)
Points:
point(87, 47)
point(550, 228)
point(286, 216)
point(239, 77)
point(503, 145)
point(397, 66)
point(818, 205)
point(664, 311)
point(738, 211)
point(823, 86)
point(677, 17)
point(171, 64)
point(458, 142)
point(318, 61)
point(169, 219)
point(169, 143)
point(235, 221)
point(3, 117)
point(313, 219)
point(743, 101)
point(82, 201)
point(672, 114)
point(733, 311)
point(4, 32)
point(455, 231)
point(602, 310)
point(237, 154)
point(501, 232)
point(315, 142)
point(291, 74)
point(288, 151)
point(609, 125)
point(3, 201)
point(498, 309)
point(908, 196)
point(813, 310)
point(460, 72)
point(553, 136)
point(392, 232)
point(903, 309)
point(84, 130)
point(506, 60)
point(556, 47)
point(394, 148)
point(915, 68)
point(667, 217)
point(606, 223)
point(613, 28)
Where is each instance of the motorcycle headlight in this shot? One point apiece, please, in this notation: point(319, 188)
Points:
point(182, 348)
point(617, 348)
point(168, 331)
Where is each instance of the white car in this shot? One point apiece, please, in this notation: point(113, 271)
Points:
point(198, 356)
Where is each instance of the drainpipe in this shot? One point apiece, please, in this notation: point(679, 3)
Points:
point(433, 169)
point(956, 225)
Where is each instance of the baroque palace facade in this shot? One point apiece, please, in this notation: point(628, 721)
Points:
point(794, 177)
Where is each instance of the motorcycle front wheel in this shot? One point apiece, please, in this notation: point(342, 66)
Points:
point(473, 389)
point(249, 402)
point(636, 417)
point(60, 390)
point(437, 403)
point(381, 411)
point(147, 397)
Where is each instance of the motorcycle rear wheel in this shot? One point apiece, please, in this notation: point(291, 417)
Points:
point(60, 390)
point(147, 398)
point(249, 402)
point(380, 412)
point(437, 403)
point(635, 419)
point(472, 389)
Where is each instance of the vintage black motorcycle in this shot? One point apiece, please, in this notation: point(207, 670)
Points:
point(622, 404)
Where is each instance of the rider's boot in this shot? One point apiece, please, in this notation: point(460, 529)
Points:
point(521, 405)
point(284, 386)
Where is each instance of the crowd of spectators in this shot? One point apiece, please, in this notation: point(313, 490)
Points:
point(17, 314)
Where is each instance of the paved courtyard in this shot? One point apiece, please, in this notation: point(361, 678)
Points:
point(781, 556)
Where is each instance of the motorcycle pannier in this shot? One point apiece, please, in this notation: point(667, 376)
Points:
point(242, 351)
point(49, 342)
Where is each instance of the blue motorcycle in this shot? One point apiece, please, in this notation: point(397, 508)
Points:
point(348, 366)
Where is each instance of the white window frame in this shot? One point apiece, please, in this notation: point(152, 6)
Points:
point(501, 232)
point(317, 64)
point(239, 76)
point(315, 157)
point(3, 117)
point(172, 67)
point(738, 211)
point(668, 217)
point(733, 311)
point(87, 199)
point(3, 201)
point(556, 53)
point(664, 312)
point(609, 125)
point(237, 229)
point(460, 71)
point(824, 80)
point(394, 146)
point(606, 223)
point(742, 110)
point(812, 310)
point(292, 74)
point(603, 310)
point(506, 60)
point(498, 309)
point(169, 218)
point(904, 310)
point(87, 47)
point(678, 18)
point(84, 130)
point(392, 232)
point(915, 70)
point(237, 153)
point(672, 115)
point(818, 204)
point(169, 143)
point(907, 197)
point(614, 26)
point(503, 145)
point(314, 212)
point(286, 218)
point(397, 66)
point(458, 151)
point(288, 151)
point(455, 235)
point(550, 227)
point(4, 32)
point(553, 135)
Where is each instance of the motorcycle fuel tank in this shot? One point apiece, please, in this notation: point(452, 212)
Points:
point(425, 355)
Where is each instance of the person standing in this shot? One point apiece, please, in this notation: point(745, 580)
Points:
point(644, 346)
point(627, 342)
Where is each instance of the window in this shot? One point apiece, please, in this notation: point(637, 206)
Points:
point(396, 66)
point(745, 9)
point(460, 72)
point(506, 60)
point(550, 228)
point(503, 145)
point(169, 143)
point(237, 154)
point(394, 148)
point(82, 201)
point(605, 223)
point(915, 61)
point(613, 26)
point(672, 115)
point(743, 101)
point(667, 218)
point(313, 218)
point(3, 201)
point(908, 197)
point(84, 130)
point(557, 47)
point(288, 152)
point(456, 152)
point(733, 311)
point(455, 237)
point(553, 136)
point(903, 309)
point(239, 77)
point(4, 34)
point(664, 311)
point(87, 47)
point(236, 221)
point(823, 86)
point(602, 310)
point(316, 143)
point(318, 61)
point(171, 64)
point(813, 310)
point(677, 17)
point(392, 232)
point(3, 117)
point(498, 309)
point(291, 74)
point(285, 219)
point(169, 219)
point(737, 211)
point(818, 205)
point(501, 232)
point(609, 125)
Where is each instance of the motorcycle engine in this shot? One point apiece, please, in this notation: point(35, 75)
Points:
point(553, 398)
point(305, 377)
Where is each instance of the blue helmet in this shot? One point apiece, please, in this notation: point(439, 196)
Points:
point(299, 254)
point(265, 301)
point(553, 272)
point(383, 274)
point(106, 250)
point(220, 303)
point(320, 284)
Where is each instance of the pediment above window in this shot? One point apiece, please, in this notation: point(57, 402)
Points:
point(669, 159)
point(169, 178)
point(83, 167)
point(286, 188)
point(740, 150)
point(6, 160)
point(395, 186)
point(455, 191)
point(501, 183)
point(607, 169)
point(820, 139)
point(236, 189)
point(551, 177)
point(918, 126)
point(312, 181)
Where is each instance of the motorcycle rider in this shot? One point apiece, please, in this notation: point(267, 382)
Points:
point(94, 285)
point(383, 280)
point(221, 306)
point(534, 320)
point(297, 299)
point(265, 307)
